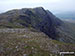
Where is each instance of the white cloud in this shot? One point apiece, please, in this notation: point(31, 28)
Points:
point(54, 5)
point(9, 4)
point(29, 1)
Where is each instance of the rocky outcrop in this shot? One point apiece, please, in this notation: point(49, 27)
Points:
point(37, 18)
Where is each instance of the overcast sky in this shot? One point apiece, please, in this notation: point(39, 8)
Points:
point(54, 6)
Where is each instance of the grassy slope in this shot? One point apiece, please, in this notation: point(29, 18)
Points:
point(31, 43)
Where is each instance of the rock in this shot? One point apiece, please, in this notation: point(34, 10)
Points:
point(24, 54)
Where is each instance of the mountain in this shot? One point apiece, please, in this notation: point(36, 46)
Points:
point(35, 32)
point(39, 19)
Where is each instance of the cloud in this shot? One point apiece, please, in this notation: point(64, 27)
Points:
point(29, 1)
point(53, 5)
point(9, 4)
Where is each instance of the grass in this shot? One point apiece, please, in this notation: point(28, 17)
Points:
point(31, 43)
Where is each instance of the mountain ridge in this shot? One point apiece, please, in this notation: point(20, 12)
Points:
point(37, 18)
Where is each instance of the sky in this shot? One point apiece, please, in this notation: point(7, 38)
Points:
point(55, 6)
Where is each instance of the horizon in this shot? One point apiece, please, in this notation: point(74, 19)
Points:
point(55, 6)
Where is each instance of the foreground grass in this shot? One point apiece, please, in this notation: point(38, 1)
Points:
point(30, 43)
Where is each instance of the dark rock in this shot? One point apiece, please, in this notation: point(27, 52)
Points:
point(37, 18)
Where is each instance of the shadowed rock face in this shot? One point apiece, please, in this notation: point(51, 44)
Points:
point(37, 18)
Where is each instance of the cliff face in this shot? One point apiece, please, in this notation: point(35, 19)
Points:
point(37, 18)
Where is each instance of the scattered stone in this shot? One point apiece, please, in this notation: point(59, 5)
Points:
point(16, 47)
point(32, 47)
point(24, 54)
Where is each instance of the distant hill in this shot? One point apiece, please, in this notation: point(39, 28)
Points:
point(39, 19)
point(68, 16)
